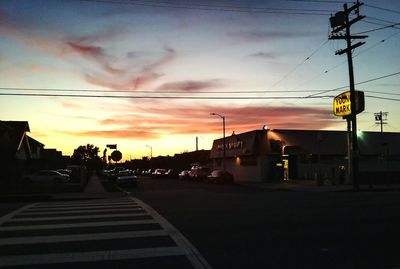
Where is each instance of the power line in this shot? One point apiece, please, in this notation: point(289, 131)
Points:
point(148, 92)
point(300, 64)
point(211, 8)
point(377, 44)
point(382, 98)
point(321, 1)
point(184, 97)
point(386, 93)
point(377, 29)
point(359, 83)
point(232, 6)
point(354, 56)
point(381, 20)
point(385, 9)
point(165, 97)
point(169, 92)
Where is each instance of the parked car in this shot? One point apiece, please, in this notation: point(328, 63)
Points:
point(185, 174)
point(126, 180)
point(44, 176)
point(159, 173)
point(171, 173)
point(65, 171)
point(220, 176)
point(199, 173)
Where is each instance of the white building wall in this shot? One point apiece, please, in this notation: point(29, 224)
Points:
point(257, 172)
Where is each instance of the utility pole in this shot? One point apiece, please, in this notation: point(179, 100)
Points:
point(381, 118)
point(341, 22)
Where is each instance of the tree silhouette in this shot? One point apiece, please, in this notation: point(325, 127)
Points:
point(87, 155)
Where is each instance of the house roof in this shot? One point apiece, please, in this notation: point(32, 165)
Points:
point(15, 132)
point(34, 142)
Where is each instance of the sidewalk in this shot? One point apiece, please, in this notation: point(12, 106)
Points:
point(93, 190)
point(311, 186)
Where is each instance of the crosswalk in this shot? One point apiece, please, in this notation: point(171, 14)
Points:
point(100, 233)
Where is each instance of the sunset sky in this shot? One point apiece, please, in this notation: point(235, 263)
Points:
point(136, 58)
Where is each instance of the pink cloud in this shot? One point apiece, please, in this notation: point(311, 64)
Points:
point(86, 51)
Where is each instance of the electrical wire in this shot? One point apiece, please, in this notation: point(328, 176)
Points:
point(359, 83)
point(210, 8)
point(345, 61)
point(184, 97)
point(312, 96)
point(165, 97)
point(300, 64)
point(376, 44)
point(377, 29)
point(385, 9)
point(381, 20)
point(382, 98)
point(158, 92)
point(148, 92)
point(232, 6)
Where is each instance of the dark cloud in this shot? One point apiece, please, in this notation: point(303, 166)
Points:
point(264, 55)
point(148, 74)
point(259, 35)
point(190, 85)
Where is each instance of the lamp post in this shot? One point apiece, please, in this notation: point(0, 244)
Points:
point(223, 131)
point(151, 151)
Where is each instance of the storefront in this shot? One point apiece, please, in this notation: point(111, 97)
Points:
point(273, 155)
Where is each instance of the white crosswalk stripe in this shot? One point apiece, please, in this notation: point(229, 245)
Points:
point(114, 229)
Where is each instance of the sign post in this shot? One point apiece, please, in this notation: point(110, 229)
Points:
point(344, 107)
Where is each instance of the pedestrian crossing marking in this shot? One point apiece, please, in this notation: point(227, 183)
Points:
point(80, 237)
point(75, 225)
point(80, 217)
point(72, 257)
point(81, 213)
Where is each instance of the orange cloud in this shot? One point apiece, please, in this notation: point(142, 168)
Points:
point(163, 120)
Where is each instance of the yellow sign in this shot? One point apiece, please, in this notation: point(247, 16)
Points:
point(342, 104)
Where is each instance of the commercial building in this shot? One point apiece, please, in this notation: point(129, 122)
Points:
point(269, 155)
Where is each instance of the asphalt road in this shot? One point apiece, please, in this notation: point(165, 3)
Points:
point(243, 227)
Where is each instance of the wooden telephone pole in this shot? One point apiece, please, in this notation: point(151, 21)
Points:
point(341, 24)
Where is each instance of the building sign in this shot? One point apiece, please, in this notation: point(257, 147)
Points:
point(231, 145)
point(342, 104)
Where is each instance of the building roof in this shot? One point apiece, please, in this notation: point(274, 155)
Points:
point(335, 142)
point(15, 132)
point(34, 142)
point(324, 142)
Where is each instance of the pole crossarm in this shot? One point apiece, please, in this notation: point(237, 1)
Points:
point(342, 51)
point(342, 27)
point(345, 37)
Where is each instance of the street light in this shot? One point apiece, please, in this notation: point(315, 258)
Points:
point(223, 131)
point(151, 151)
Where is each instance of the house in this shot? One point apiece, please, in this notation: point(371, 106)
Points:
point(16, 149)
